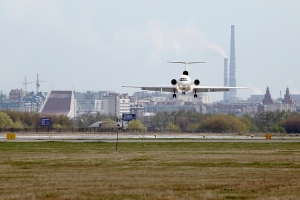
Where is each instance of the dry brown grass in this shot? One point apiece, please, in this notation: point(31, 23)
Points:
point(58, 170)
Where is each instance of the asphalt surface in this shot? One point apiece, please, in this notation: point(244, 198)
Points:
point(144, 138)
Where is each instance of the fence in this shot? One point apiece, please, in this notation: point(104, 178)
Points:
point(108, 130)
point(102, 130)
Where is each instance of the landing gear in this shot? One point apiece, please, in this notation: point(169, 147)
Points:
point(195, 95)
point(174, 95)
point(183, 93)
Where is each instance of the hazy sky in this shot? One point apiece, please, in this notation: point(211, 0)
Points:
point(102, 45)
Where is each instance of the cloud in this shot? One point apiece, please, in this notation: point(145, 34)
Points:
point(292, 87)
point(181, 39)
point(256, 90)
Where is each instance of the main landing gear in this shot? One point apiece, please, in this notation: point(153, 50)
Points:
point(195, 95)
point(183, 93)
point(174, 95)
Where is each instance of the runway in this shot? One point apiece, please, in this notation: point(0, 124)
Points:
point(146, 137)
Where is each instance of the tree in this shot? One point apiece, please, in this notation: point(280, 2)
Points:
point(5, 121)
point(136, 124)
point(217, 123)
point(108, 123)
point(172, 127)
point(292, 124)
point(161, 119)
point(18, 123)
point(227, 123)
point(183, 122)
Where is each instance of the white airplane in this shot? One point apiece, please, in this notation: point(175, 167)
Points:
point(185, 84)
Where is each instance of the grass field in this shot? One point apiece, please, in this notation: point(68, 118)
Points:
point(61, 170)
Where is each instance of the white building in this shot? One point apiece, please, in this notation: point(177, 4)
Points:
point(89, 105)
point(124, 106)
point(113, 104)
point(202, 98)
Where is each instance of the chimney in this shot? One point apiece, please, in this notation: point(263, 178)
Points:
point(225, 95)
point(232, 67)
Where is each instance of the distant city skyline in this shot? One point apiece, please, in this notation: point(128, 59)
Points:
point(102, 45)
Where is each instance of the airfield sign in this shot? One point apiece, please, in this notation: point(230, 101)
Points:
point(128, 117)
point(45, 122)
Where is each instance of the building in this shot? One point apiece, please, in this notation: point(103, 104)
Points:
point(90, 101)
point(16, 95)
point(124, 106)
point(287, 98)
point(85, 106)
point(137, 109)
point(60, 102)
point(114, 104)
point(281, 104)
point(268, 99)
point(171, 108)
point(29, 103)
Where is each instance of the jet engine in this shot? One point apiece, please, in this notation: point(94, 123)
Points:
point(196, 82)
point(173, 82)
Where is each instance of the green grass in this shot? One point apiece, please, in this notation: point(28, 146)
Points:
point(174, 170)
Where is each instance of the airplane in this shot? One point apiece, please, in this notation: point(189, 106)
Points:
point(185, 84)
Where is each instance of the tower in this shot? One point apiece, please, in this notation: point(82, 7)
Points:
point(232, 67)
point(287, 97)
point(268, 99)
point(225, 95)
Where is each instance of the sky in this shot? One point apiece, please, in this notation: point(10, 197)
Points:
point(103, 44)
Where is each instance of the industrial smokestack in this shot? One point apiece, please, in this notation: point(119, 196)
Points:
point(232, 67)
point(225, 95)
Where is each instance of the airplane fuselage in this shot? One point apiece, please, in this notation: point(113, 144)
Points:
point(184, 83)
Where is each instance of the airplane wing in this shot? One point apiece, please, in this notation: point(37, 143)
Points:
point(162, 88)
point(215, 88)
point(170, 88)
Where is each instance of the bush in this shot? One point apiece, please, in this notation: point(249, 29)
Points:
point(172, 127)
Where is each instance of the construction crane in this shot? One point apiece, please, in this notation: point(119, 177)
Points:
point(26, 83)
point(38, 84)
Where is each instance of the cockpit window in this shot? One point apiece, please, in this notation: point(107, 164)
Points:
point(183, 79)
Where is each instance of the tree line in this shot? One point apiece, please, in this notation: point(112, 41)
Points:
point(180, 121)
point(190, 121)
point(21, 120)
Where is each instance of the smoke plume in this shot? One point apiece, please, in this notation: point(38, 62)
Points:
point(181, 39)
